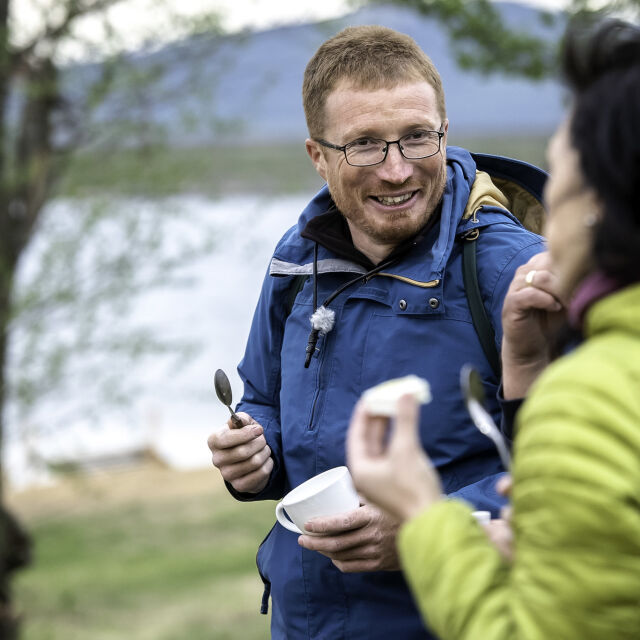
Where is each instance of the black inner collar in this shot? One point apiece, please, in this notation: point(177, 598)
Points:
point(330, 229)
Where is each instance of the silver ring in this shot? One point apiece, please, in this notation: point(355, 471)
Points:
point(529, 277)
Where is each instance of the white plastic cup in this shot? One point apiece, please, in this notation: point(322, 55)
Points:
point(483, 517)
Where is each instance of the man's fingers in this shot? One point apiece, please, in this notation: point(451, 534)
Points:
point(335, 525)
point(345, 546)
point(239, 453)
point(258, 478)
point(233, 470)
point(226, 438)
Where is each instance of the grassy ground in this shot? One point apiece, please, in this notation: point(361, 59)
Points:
point(268, 169)
point(150, 554)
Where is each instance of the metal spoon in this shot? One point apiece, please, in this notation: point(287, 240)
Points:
point(223, 391)
point(473, 391)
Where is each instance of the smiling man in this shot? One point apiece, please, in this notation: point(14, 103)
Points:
point(395, 199)
point(378, 253)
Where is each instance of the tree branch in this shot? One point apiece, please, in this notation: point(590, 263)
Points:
point(52, 33)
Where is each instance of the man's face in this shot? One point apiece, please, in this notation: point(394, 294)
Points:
point(386, 203)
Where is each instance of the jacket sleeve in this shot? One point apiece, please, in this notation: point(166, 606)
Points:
point(482, 495)
point(502, 248)
point(576, 569)
point(509, 409)
point(260, 373)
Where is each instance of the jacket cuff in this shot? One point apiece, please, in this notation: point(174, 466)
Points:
point(509, 409)
point(273, 490)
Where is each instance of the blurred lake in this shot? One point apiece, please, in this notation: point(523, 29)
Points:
point(175, 410)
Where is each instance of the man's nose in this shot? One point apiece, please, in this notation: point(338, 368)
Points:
point(395, 168)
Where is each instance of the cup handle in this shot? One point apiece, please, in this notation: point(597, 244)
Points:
point(283, 520)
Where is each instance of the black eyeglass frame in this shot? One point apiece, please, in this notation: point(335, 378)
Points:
point(344, 147)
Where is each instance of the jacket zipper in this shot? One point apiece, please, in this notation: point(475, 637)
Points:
point(317, 391)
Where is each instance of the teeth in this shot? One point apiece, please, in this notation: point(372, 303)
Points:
point(389, 200)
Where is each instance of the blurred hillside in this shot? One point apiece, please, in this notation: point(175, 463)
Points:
point(247, 87)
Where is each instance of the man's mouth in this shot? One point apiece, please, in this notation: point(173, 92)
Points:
point(390, 201)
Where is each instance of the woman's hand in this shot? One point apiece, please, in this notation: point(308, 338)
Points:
point(499, 531)
point(388, 464)
point(531, 314)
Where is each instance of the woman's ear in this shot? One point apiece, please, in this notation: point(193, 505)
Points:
point(594, 211)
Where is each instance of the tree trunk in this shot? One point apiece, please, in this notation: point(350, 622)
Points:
point(15, 545)
point(23, 189)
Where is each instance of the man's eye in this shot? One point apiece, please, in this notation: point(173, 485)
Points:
point(417, 136)
point(363, 143)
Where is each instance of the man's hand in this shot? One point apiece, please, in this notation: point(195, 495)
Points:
point(361, 540)
point(531, 314)
point(242, 455)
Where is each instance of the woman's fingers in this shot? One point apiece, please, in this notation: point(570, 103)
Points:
point(406, 422)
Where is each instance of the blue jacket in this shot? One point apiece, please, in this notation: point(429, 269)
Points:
point(411, 318)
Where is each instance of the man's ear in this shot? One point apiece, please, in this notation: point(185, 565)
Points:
point(316, 154)
point(445, 128)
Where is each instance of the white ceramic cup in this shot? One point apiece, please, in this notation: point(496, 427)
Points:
point(326, 494)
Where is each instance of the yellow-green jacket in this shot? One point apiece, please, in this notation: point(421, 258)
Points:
point(576, 501)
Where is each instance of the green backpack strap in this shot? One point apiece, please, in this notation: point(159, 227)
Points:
point(479, 316)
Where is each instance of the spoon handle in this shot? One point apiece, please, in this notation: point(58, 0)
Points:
point(236, 422)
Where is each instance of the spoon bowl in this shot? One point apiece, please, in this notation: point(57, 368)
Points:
point(223, 391)
point(474, 396)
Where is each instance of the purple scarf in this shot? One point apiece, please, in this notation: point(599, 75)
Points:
point(590, 290)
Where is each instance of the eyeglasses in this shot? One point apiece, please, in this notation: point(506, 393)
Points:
point(365, 152)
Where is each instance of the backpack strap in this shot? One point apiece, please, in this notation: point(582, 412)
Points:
point(481, 321)
point(294, 289)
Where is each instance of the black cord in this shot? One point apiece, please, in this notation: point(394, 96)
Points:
point(315, 276)
point(315, 333)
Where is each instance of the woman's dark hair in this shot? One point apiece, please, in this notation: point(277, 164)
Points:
point(601, 65)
